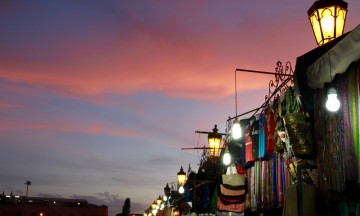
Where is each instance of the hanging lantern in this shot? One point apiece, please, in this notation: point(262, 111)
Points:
point(181, 177)
point(214, 141)
point(332, 103)
point(153, 205)
point(159, 201)
point(327, 18)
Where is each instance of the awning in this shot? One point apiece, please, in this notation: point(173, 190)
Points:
point(335, 61)
point(313, 69)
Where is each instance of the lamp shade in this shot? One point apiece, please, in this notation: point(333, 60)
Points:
point(181, 177)
point(327, 19)
point(214, 141)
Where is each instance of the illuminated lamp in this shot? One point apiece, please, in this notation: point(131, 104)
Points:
point(181, 175)
point(327, 19)
point(159, 201)
point(226, 156)
point(153, 205)
point(181, 189)
point(332, 103)
point(236, 129)
point(214, 141)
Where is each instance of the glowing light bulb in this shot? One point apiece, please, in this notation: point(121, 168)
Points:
point(332, 103)
point(181, 189)
point(236, 129)
point(226, 157)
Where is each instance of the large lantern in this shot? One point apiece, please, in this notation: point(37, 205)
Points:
point(214, 141)
point(327, 18)
point(153, 205)
point(181, 177)
point(159, 200)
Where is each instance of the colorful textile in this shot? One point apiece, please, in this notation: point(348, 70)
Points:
point(248, 145)
point(269, 131)
point(337, 134)
point(254, 130)
point(262, 136)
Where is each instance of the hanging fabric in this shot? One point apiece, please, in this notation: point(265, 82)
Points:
point(254, 130)
point(269, 131)
point(262, 137)
point(300, 135)
point(244, 160)
point(337, 136)
point(248, 144)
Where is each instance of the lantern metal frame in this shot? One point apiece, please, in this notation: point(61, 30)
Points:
point(181, 175)
point(327, 19)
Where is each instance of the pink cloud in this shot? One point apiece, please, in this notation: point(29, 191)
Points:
point(94, 129)
point(139, 60)
point(5, 105)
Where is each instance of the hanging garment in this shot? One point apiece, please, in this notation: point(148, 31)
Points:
point(262, 137)
point(254, 130)
point(337, 134)
point(275, 194)
point(279, 131)
point(269, 131)
point(248, 145)
point(290, 101)
point(244, 123)
point(300, 135)
point(253, 200)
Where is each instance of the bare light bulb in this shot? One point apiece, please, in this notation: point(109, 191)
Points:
point(332, 103)
point(181, 189)
point(236, 129)
point(226, 157)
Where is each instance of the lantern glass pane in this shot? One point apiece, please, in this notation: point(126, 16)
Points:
point(314, 20)
point(340, 21)
point(181, 179)
point(214, 145)
point(327, 20)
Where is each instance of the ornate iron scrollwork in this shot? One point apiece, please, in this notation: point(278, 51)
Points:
point(281, 82)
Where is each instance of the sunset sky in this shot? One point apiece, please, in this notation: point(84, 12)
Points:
point(97, 97)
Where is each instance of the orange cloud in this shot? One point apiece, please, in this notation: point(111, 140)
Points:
point(94, 129)
point(139, 60)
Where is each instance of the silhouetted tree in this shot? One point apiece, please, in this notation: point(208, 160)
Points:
point(126, 208)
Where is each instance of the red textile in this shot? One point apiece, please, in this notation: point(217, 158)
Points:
point(248, 145)
point(269, 131)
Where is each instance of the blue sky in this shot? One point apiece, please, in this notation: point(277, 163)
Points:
point(97, 98)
